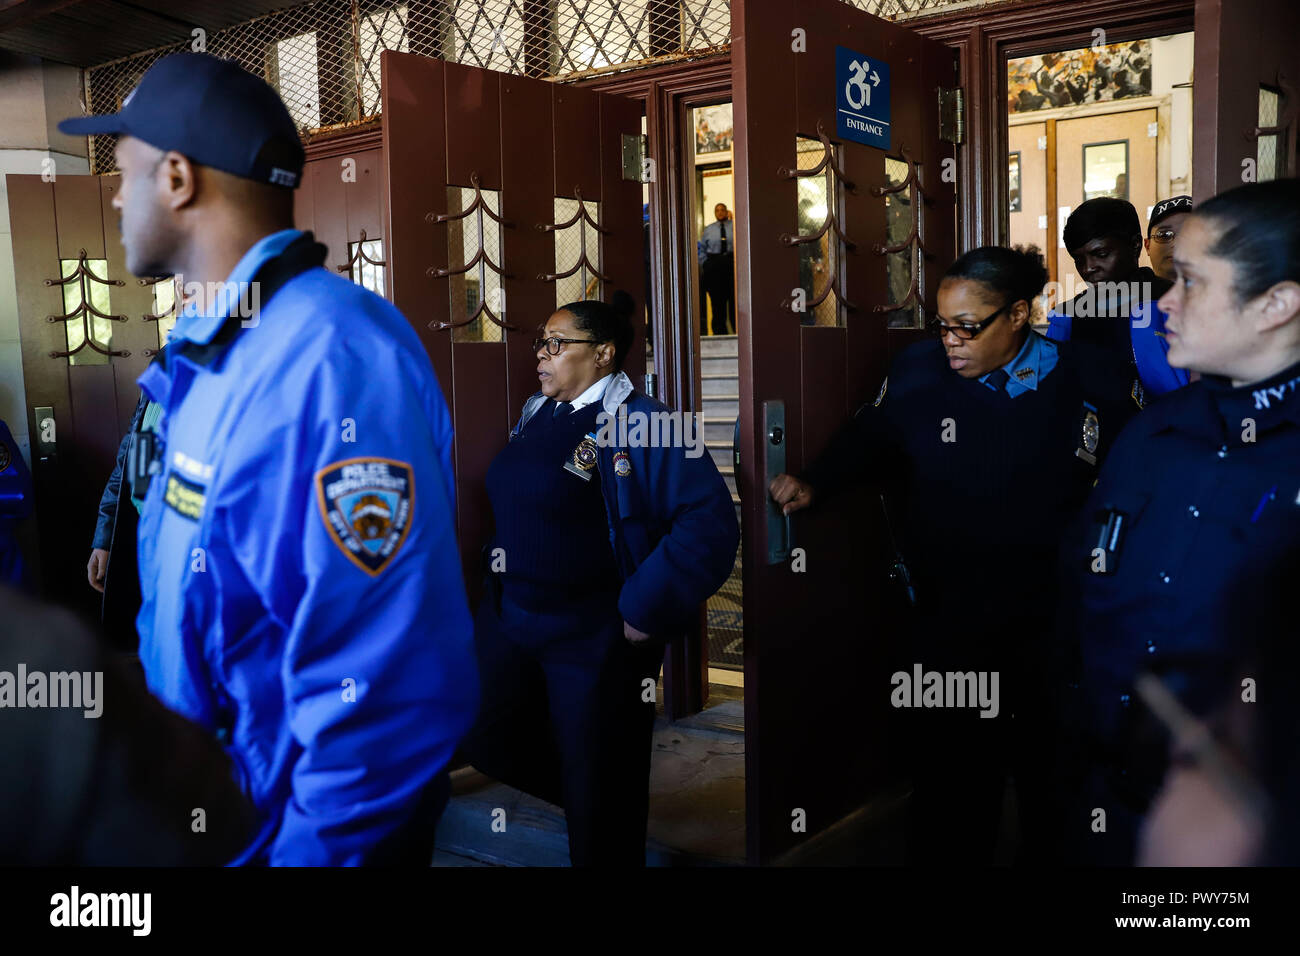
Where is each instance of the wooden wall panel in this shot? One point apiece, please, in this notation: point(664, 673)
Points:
point(414, 137)
point(480, 380)
point(577, 141)
point(473, 117)
point(528, 252)
point(620, 211)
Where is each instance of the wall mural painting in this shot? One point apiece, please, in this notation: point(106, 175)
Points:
point(1092, 75)
point(713, 133)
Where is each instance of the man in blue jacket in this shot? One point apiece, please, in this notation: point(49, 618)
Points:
point(1117, 312)
point(302, 594)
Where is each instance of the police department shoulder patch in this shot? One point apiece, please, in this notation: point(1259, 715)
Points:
point(366, 504)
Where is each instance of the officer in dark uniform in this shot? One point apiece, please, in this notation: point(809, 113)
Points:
point(115, 534)
point(605, 546)
point(986, 441)
point(1176, 566)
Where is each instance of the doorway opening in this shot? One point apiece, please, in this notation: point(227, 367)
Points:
point(1112, 119)
point(710, 232)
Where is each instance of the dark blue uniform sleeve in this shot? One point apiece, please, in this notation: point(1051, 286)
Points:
point(108, 500)
point(693, 559)
point(864, 450)
point(113, 488)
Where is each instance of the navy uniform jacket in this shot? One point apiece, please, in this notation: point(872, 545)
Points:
point(672, 523)
point(1208, 479)
point(981, 485)
point(1145, 333)
point(15, 505)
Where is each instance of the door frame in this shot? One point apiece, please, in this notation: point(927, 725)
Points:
point(666, 93)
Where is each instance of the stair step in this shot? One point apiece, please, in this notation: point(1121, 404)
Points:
point(722, 406)
point(719, 385)
point(719, 430)
point(720, 365)
point(711, 345)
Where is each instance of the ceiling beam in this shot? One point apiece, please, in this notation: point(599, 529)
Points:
point(19, 13)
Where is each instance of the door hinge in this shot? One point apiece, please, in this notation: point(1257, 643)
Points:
point(952, 115)
point(635, 150)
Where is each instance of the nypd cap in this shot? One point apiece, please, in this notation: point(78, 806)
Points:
point(211, 110)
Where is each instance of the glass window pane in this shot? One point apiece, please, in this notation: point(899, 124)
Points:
point(79, 296)
point(1105, 170)
point(578, 245)
point(296, 79)
point(818, 259)
point(904, 264)
point(379, 30)
point(600, 33)
point(366, 271)
point(1267, 154)
point(164, 304)
point(488, 34)
point(480, 285)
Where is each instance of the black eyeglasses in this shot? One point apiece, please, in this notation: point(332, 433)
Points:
point(554, 342)
point(965, 330)
point(1163, 234)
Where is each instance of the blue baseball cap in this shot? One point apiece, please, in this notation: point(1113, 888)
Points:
point(211, 110)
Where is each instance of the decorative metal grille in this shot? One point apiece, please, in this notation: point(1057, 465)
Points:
point(87, 317)
point(1266, 151)
point(474, 223)
point(165, 312)
point(365, 265)
point(902, 248)
point(323, 56)
point(821, 239)
point(577, 232)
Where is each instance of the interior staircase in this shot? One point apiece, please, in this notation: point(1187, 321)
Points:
point(720, 392)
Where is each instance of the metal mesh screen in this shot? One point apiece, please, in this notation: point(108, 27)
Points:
point(323, 57)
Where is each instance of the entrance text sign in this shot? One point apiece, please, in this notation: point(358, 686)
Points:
point(861, 98)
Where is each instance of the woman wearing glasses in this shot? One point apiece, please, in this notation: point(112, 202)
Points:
point(985, 441)
point(604, 548)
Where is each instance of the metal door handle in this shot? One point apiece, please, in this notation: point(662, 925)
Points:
point(775, 442)
point(46, 444)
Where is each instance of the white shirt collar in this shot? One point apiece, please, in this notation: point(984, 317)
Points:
point(592, 394)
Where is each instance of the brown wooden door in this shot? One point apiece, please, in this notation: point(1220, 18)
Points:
point(341, 200)
point(484, 164)
point(90, 395)
point(816, 684)
point(1245, 93)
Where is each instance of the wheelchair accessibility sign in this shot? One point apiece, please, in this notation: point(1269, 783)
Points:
point(862, 98)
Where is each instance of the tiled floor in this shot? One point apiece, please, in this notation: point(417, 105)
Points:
point(697, 803)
